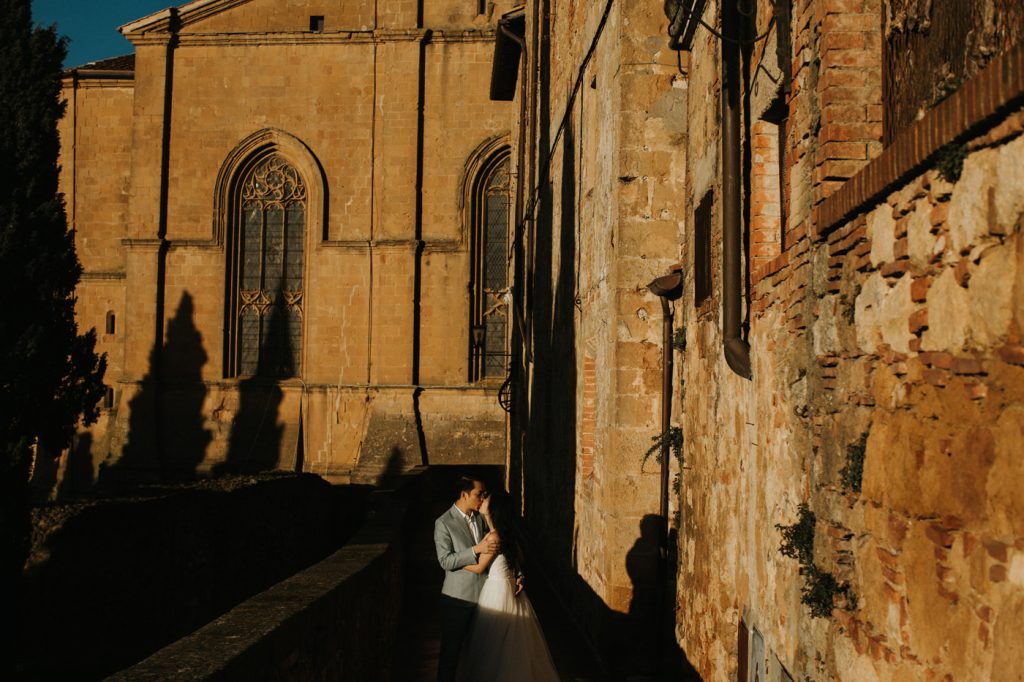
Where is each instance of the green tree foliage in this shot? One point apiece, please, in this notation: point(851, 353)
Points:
point(50, 376)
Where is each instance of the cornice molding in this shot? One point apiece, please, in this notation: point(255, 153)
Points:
point(284, 38)
point(100, 276)
point(355, 245)
point(481, 35)
point(335, 37)
point(98, 79)
point(144, 243)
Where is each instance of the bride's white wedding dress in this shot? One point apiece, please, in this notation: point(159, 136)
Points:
point(505, 642)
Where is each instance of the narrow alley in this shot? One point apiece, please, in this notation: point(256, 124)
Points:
point(418, 639)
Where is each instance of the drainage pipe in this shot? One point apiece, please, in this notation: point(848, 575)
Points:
point(737, 350)
point(666, 408)
point(667, 288)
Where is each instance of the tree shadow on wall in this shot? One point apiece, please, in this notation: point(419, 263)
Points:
point(78, 470)
point(255, 440)
point(78, 476)
point(166, 440)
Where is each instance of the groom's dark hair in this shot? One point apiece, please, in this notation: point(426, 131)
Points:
point(465, 484)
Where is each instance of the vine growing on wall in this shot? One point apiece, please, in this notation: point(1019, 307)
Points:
point(820, 587)
point(679, 339)
point(673, 437)
point(949, 161)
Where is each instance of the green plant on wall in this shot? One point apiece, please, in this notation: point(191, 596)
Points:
point(852, 473)
point(848, 304)
point(949, 161)
point(679, 339)
point(820, 587)
point(673, 437)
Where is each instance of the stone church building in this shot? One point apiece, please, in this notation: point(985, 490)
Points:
point(292, 220)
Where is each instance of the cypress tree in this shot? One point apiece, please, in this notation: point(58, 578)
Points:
point(50, 376)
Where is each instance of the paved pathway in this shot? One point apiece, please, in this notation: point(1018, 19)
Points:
point(419, 636)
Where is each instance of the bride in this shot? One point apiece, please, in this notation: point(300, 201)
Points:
point(505, 641)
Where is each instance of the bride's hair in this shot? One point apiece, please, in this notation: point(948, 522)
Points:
point(507, 523)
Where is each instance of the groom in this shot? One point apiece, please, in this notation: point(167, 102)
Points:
point(460, 537)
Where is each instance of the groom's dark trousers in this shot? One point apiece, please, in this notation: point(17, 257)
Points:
point(456, 619)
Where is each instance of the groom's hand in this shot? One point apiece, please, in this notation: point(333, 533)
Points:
point(520, 584)
point(489, 545)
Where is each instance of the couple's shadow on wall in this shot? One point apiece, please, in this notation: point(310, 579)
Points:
point(641, 643)
point(652, 609)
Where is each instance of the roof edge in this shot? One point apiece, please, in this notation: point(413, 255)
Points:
point(186, 14)
point(118, 64)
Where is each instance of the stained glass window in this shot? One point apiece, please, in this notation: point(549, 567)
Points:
point(489, 323)
point(268, 294)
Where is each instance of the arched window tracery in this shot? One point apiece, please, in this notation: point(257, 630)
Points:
point(266, 280)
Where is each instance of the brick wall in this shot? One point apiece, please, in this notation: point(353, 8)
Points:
point(885, 328)
point(766, 199)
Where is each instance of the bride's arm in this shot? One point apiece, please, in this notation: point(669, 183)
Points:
point(485, 560)
point(482, 564)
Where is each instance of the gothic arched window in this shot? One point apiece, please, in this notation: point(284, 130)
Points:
point(491, 204)
point(267, 257)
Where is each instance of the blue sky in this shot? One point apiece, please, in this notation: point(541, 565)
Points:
point(92, 25)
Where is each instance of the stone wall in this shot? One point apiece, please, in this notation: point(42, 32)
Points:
point(878, 295)
point(919, 364)
point(884, 344)
point(606, 114)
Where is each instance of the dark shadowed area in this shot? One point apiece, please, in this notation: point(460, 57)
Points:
point(120, 577)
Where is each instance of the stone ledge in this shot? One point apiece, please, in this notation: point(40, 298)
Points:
point(333, 620)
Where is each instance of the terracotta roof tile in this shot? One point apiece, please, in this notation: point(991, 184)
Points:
point(125, 62)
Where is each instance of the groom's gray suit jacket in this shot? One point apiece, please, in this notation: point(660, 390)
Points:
point(454, 544)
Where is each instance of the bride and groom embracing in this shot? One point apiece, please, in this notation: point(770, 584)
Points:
point(488, 627)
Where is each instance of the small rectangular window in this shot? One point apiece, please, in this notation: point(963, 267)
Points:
point(316, 24)
point(108, 399)
point(702, 250)
point(111, 325)
point(743, 651)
